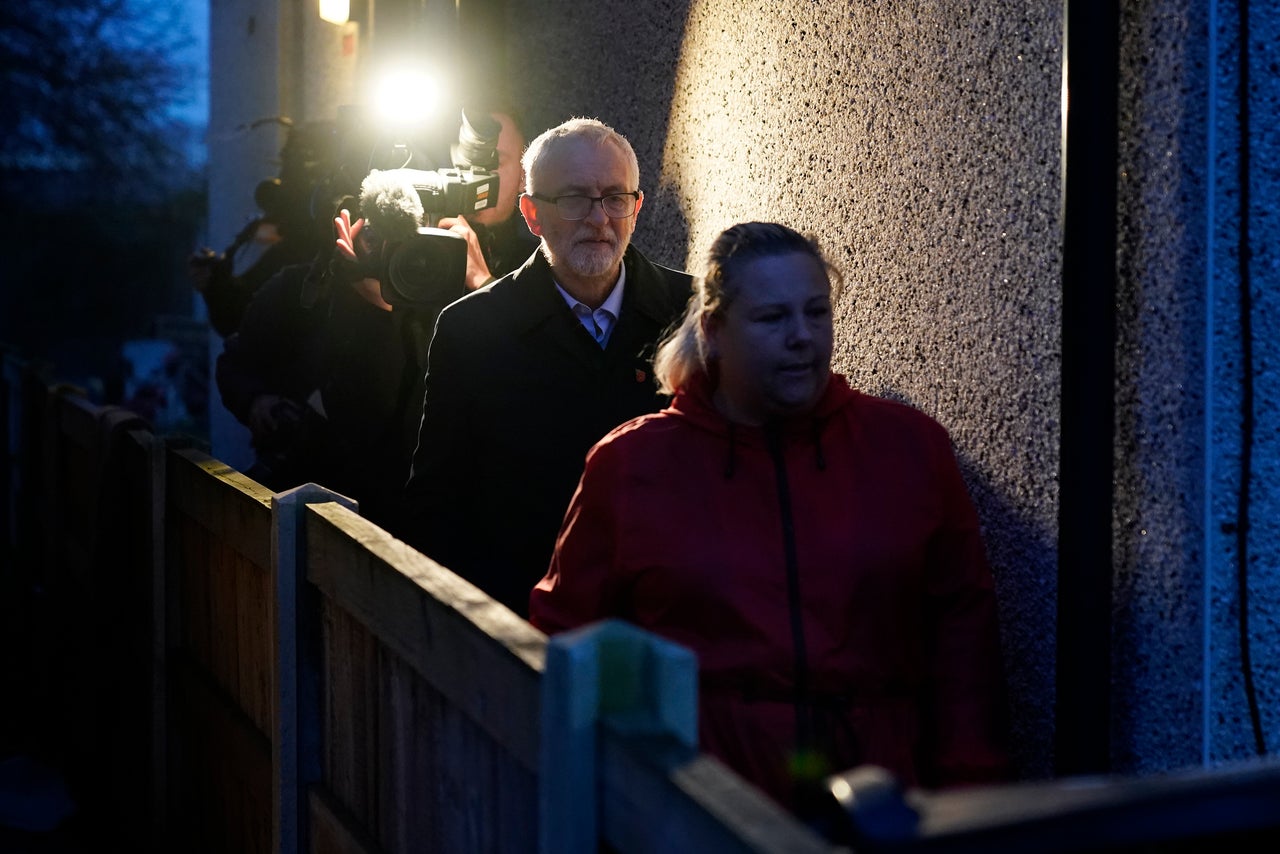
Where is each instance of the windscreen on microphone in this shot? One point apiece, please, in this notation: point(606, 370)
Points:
point(390, 204)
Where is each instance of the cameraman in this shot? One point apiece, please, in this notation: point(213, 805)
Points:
point(281, 235)
point(328, 375)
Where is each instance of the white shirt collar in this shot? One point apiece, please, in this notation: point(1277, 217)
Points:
point(598, 322)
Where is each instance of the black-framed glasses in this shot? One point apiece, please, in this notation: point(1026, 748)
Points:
point(615, 205)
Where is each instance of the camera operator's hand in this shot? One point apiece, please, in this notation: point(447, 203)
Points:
point(478, 274)
point(271, 413)
point(200, 278)
point(201, 266)
point(354, 257)
point(348, 235)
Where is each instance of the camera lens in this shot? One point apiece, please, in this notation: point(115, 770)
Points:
point(477, 146)
point(427, 269)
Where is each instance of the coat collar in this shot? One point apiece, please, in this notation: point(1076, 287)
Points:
point(533, 288)
point(694, 402)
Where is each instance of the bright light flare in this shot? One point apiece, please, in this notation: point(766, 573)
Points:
point(406, 98)
point(335, 11)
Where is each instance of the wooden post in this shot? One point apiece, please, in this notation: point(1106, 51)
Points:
point(161, 643)
point(608, 669)
point(295, 740)
point(9, 420)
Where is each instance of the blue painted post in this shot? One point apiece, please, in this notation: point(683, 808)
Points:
point(607, 669)
point(295, 737)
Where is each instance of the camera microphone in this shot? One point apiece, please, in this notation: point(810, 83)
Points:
point(390, 204)
point(420, 265)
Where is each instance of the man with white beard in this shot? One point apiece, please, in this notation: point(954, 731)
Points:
point(527, 373)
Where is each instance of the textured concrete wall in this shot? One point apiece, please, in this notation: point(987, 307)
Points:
point(1196, 231)
point(1243, 260)
point(920, 143)
point(1158, 628)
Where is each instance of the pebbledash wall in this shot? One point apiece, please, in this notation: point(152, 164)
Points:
point(921, 143)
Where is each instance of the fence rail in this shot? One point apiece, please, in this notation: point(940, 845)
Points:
point(302, 681)
point(236, 670)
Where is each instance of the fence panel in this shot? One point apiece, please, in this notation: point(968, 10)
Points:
point(220, 623)
point(621, 760)
point(702, 805)
point(90, 628)
point(430, 722)
point(416, 705)
point(125, 563)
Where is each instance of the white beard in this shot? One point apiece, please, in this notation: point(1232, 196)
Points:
point(591, 260)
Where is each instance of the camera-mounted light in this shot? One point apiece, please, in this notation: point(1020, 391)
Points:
point(335, 11)
point(405, 99)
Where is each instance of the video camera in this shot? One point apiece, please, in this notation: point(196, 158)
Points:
point(472, 185)
point(418, 264)
point(283, 201)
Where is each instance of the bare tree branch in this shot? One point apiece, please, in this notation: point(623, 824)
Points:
point(91, 83)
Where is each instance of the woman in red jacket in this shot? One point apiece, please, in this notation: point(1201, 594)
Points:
point(814, 546)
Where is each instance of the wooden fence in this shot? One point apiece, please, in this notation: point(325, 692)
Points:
point(232, 670)
point(242, 671)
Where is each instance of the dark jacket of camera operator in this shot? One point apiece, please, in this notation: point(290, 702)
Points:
point(284, 233)
point(267, 371)
point(372, 368)
point(347, 374)
point(227, 295)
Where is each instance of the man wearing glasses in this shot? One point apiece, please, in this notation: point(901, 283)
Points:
point(527, 373)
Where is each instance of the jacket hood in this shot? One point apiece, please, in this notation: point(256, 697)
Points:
point(694, 405)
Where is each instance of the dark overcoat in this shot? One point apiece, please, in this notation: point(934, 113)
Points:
point(517, 392)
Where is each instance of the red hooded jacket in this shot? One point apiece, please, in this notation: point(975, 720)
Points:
point(827, 571)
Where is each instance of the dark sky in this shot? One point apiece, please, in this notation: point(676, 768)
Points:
point(196, 111)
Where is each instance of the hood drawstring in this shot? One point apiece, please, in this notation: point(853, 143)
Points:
point(815, 434)
point(819, 458)
point(804, 711)
point(730, 460)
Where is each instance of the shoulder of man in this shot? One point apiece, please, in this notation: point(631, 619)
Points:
point(505, 299)
point(510, 246)
point(662, 290)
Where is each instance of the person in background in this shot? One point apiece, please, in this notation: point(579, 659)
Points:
point(327, 374)
point(525, 374)
point(283, 234)
point(814, 546)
